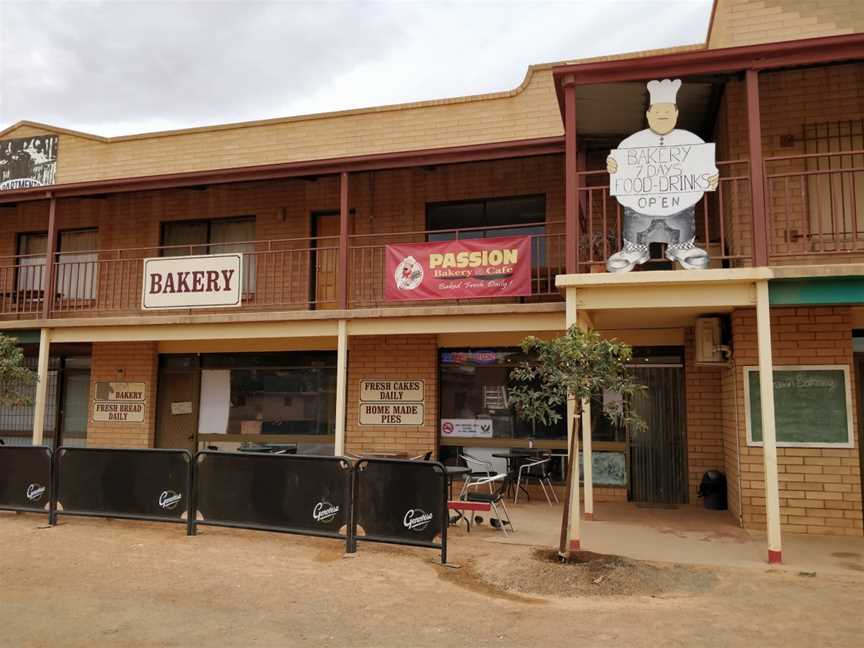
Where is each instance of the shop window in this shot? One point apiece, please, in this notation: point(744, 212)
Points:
point(16, 421)
point(214, 236)
point(268, 394)
point(474, 387)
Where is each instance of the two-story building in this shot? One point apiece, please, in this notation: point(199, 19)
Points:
point(229, 284)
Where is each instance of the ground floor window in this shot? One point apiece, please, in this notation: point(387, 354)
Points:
point(474, 387)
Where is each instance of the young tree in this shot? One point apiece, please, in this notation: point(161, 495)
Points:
point(15, 378)
point(578, 365)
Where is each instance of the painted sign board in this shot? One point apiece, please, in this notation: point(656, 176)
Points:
point(662, 180)
point(392, 401)
point(28, 162)
point(383, 391)
point(467, 269)
point(391, 413)
point(119, 402)
point(205, 281)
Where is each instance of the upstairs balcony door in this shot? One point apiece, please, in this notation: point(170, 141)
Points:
point(324, 261)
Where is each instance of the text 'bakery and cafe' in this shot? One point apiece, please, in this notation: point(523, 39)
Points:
point(344, 292)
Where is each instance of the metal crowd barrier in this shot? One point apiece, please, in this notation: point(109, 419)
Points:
point(139, 484)
point(401, 502)
point(377, 500)
point(25, 478)
point(301, 494)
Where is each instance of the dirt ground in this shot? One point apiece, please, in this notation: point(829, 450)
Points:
point(91, 582)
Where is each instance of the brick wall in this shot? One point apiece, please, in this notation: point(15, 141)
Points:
point(384, 202)
point(394, 357)
point(788, 101)
point(747, 22)
point(704, 418)
point(124, 362)
point(530, 111)
point(820, 488)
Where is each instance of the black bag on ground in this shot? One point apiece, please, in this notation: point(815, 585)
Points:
point(713, 490)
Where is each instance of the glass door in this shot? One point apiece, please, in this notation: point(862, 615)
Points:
point(74, 408)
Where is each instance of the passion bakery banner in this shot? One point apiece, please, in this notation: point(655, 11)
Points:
point(492, 267)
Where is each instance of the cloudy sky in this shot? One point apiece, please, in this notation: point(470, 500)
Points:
point(123, 66)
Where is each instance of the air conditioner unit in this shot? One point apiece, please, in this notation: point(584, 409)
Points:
point(709, 342)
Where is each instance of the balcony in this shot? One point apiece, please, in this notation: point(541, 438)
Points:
point(278, 275)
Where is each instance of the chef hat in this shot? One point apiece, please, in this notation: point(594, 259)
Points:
point(663, 91)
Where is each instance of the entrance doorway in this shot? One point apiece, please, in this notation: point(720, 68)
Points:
point(177, 408)
point(658, 453)
point(74, 404)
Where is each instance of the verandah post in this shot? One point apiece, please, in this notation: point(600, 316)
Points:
point(41, 386)
point(342, 269)
point(571, 179)
point(769, 433)
point(757, 171)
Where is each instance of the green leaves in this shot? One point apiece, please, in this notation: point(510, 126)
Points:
point(15, 378)
point(580, 363)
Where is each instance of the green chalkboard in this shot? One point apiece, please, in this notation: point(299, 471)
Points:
point(811, 405)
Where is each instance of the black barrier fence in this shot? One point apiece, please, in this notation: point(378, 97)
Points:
point(379, 500)
point(401, 502)
point(25, 478)
point(302, 494)
point(139, 484)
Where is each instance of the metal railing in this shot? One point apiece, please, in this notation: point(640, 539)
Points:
point(366, 258)
point(283, 274)
point(815, 205)
point(723, 219)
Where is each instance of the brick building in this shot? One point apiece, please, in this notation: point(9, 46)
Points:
point(311, 203)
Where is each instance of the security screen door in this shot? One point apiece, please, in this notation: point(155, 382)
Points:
point(658, 453)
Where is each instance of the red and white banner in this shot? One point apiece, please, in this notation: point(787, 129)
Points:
point(491, 267)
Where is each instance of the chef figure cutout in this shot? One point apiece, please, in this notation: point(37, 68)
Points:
point(658, 175)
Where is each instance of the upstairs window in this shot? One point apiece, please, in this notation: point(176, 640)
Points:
point(214, 236)
point(488, 218)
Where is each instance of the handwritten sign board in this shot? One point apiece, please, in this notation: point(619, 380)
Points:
point(812, 406)
point(662, 180)
point(392, 402)
point(205, 281)
point(119, 402)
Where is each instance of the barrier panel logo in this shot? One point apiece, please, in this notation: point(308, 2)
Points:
point(324, 512)
point(168, 500)
point(416, 519)
point(35, 492)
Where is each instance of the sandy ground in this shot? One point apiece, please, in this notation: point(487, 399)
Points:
point(92, 582)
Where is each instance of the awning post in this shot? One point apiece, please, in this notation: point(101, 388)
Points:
point(769, 433)
point(341, 386)
point(41, 387)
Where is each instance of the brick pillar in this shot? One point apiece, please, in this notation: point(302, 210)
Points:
point(393, 357)
point(124, 362)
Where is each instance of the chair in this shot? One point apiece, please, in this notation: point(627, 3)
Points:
point(423, 457)
point(479, 470)
point(493, 498)
point(539, 470)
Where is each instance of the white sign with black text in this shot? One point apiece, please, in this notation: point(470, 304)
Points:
point(206, 281)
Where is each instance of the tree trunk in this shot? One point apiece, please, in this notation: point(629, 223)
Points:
point(572, 477)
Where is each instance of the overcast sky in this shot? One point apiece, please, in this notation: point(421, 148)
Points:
point(123, 67)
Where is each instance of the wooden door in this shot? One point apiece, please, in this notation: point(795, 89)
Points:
point(658, 453)
point(177, 409)
point(324, 289)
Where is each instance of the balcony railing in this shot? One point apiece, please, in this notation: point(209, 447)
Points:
point(815, 206)
point(723, 221)
point(285, 274)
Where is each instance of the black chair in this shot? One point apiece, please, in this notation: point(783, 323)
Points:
point(494, 498)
